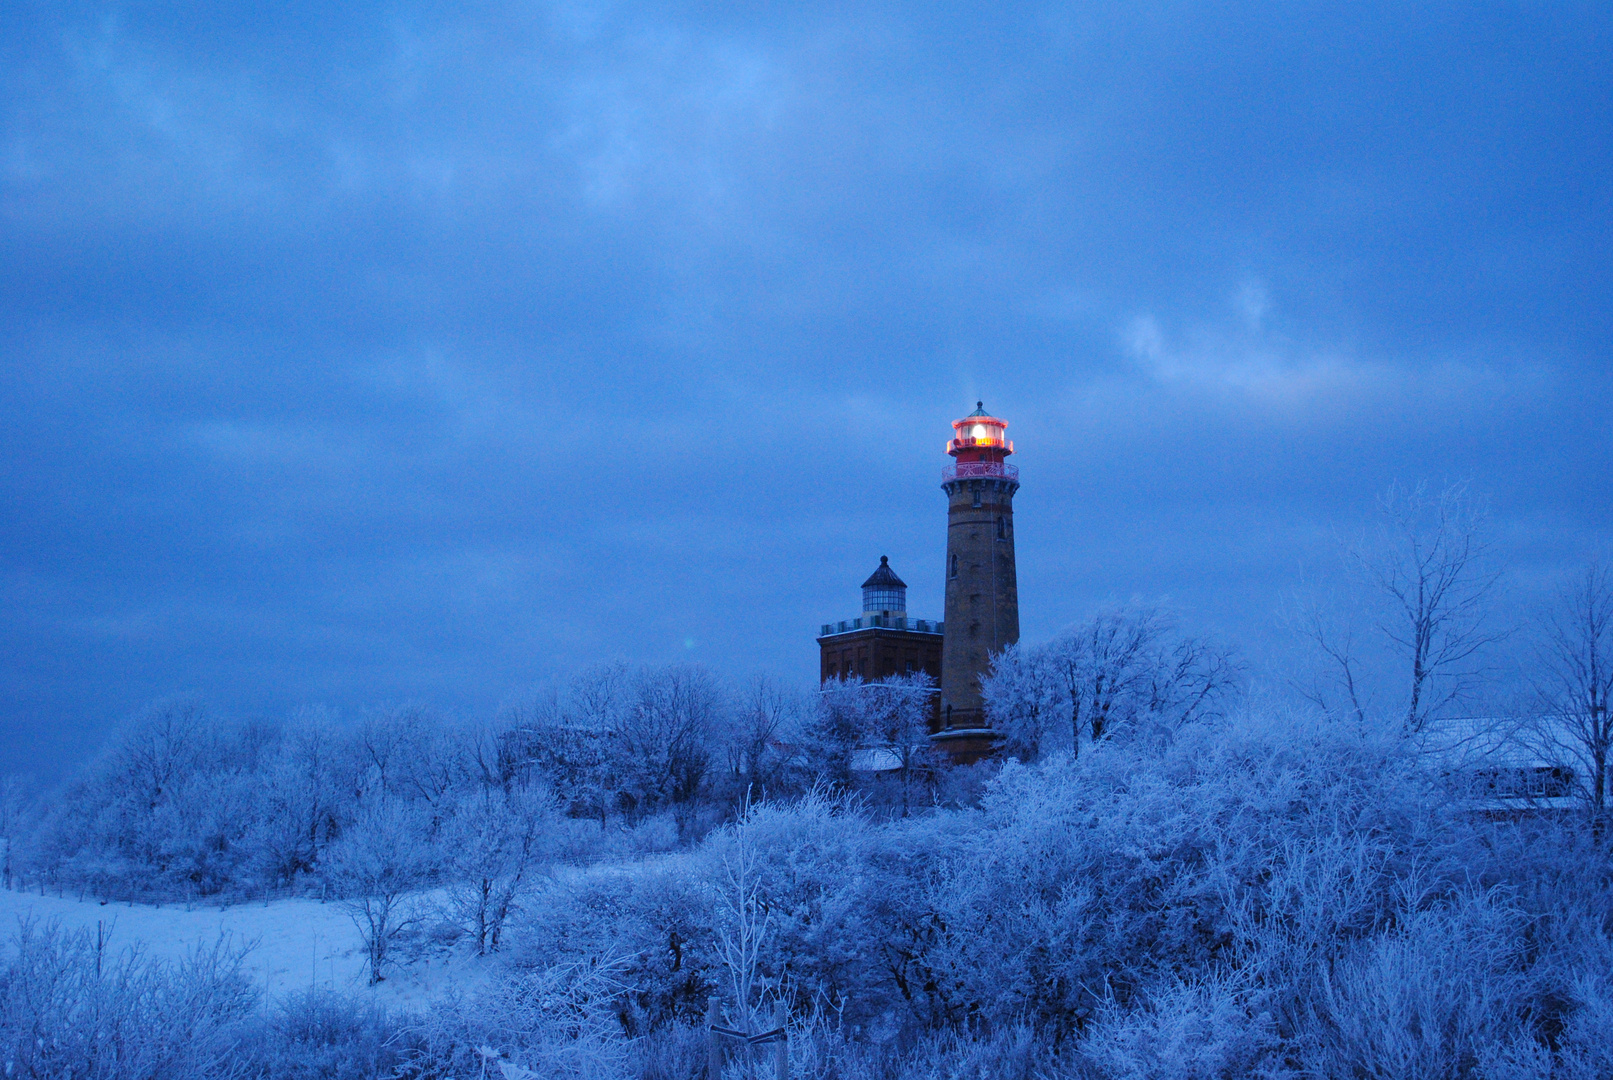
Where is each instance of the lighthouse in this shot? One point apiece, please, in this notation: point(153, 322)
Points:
point(981, 615)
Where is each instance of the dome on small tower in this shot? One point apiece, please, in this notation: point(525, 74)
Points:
point(884, 591)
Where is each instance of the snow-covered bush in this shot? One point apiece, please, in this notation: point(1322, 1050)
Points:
point(1428, 997)
point(1097, 884)
point(321, 1035)
point(1187, 1030)
point(73, 1005)
point(655, 918)
point(1260, 894)
point(562, 1022)
point(814, 879)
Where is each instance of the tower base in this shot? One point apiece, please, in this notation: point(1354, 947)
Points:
point(965, 746)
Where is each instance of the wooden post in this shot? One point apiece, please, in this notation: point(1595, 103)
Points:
point(713, 1043)
point(781, 1049)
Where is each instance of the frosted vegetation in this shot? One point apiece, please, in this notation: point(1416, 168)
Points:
point(1166, 876)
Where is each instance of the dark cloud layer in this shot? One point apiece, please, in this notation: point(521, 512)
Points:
point(363, 353)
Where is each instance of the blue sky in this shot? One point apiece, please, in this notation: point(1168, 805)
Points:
point(366, 353)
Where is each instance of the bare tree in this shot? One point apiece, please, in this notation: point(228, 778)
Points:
point(567, 738)
point(166, 743)
point(384, 741)
point(1426, 590)
point(1189, 680)
point(13, 819)
point(494, 842)
point(1574, 680)
point(1428, 565)
point(744, 925)
point(1336, 645)
point(300, 792)
point(837, 729)
point(433, 764)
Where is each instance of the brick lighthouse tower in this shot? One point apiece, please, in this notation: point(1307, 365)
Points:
point(982, 593)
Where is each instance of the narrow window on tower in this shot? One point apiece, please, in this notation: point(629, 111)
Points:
point(1002, 528)
point(954, 570)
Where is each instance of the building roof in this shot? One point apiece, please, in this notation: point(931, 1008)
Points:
point(980, 410)
point(1525, 761)
point(884, 577)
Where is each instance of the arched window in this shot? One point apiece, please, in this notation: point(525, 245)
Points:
point(954, 570)
point(1002, 528)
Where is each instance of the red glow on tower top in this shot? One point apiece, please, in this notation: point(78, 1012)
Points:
point(979, 437)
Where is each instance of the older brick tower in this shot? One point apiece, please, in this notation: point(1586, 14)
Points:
point(982, 593)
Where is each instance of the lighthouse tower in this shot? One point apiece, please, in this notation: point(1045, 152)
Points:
point(982, 593)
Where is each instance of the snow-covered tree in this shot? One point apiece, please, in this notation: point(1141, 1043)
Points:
point(1574, 682)
point(375, 869)
point(1024, 699)
point(1120, 666)
point(896, 717)
point(663, 742)
point(301, 786)
point(764, 737)
point(491, 848)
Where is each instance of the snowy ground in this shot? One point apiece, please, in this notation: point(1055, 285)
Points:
point(294, 944)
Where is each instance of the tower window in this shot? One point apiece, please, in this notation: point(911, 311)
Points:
point(1002, 528)
point(954, 571)
point(884, 599)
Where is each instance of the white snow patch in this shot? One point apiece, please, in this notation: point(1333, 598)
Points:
point(294, 944)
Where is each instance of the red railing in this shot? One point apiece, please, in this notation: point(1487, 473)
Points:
point(980, 470)
point(988, 443)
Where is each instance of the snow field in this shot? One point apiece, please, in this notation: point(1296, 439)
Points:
point(292, 944)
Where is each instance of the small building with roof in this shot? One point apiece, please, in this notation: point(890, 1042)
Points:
point(1509, 765)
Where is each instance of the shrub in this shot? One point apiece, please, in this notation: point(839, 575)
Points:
point(71, 1006)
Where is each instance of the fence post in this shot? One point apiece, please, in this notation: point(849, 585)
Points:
point(781, 1049)
point(713, 1046)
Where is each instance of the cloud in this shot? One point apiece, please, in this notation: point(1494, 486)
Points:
point(1251, 368)
point(368, 351)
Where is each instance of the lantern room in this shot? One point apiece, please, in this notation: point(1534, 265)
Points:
point(979, 437)
point(884, 593)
